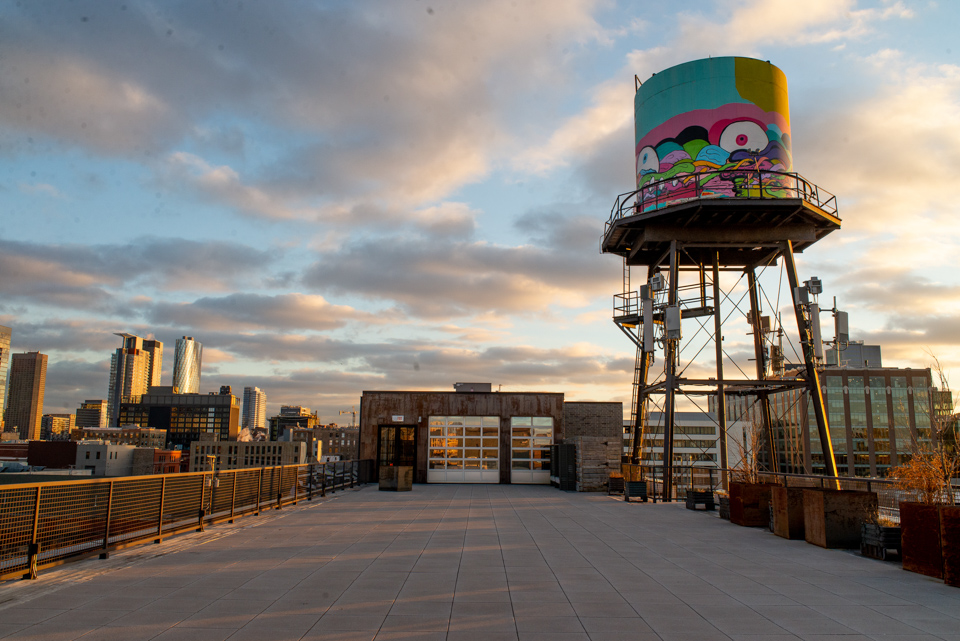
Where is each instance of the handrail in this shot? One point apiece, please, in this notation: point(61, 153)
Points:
point(45, 524)
point(759, 184)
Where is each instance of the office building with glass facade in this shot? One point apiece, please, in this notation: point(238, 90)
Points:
point(185, 417)
point(877, 417)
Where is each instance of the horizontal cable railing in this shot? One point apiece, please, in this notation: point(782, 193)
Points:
point(44, 524)
point(688, 478)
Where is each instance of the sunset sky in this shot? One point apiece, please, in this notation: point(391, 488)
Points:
point(343, 196)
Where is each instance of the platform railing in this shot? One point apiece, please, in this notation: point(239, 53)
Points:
point(45, 524)
point(731, 183)
point(706, 479)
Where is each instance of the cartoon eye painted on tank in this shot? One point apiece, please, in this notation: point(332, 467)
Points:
point(743, 135)
point(647, 161)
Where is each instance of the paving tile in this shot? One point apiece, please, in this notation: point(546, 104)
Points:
point(491, 562)
point(194, 634)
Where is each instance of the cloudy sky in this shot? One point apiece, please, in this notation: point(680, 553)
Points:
point(344, 196)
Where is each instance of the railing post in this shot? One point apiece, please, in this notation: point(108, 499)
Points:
point(233, 499)
point(280, 487)
point(163, 494)
point(33, 550)
point(259, 491)
point(323, 479)
point(310, 484)
point(106, 525)
point(353, 472)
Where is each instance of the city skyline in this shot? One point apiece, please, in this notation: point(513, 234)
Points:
point(328, 218)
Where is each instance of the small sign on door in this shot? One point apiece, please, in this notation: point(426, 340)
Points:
point(397, 418)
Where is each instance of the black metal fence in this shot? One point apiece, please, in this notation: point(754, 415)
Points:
point(44, 524)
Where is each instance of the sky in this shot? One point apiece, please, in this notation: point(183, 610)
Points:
point(335, 197)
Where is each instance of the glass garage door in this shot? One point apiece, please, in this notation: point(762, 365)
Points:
point(464, 449)
point(531, 438)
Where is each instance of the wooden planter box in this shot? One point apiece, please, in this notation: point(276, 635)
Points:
point(876, 541)
point(724, 507)
point(920, 534)
point(950, 543)
point(832, 518)
point(750, 504)
point(396, 478)
point(787, 512)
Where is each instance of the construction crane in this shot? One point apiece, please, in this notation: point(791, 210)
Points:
point(353, 415)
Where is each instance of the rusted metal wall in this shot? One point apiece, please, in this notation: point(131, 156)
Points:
point(415, 408)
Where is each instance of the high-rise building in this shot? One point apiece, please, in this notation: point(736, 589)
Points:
point(186, 365)
point(134, 368)
point(254, 409)
point(92, 413)
point(5, 333)
point(28, 378)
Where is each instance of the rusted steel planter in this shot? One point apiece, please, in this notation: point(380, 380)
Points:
point(750, 504)
point(787, 512)
point(920, 534)
point(950, 543)
point(833, 518)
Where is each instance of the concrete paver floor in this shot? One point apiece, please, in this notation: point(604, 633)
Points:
point(489, 563)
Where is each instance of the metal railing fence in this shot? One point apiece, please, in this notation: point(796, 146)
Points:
point(44, 524)
point(723, 183)
point(703, 479)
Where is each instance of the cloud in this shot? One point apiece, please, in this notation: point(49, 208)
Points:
point(41, 188)
point(889, 156)
point(282, 312)
point(378, 101)
point(473, 277)
point(610, 113)
point(90, 276)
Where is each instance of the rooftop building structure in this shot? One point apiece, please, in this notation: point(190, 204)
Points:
point(92, 413)
point(209, 456)
point(187, 359)
point(28, 380)
point(105, 459)
point(292, 416)
point(127, 435)
point(462, 437)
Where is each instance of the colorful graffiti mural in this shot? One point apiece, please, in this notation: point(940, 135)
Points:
point(711, 129)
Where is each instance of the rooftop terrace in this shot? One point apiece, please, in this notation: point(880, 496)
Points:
point(489, 563)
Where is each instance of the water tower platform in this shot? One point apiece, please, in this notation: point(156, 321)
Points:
point(744, 232)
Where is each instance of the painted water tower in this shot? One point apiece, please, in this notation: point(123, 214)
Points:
point(716, 193)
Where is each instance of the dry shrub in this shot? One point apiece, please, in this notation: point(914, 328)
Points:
point(927, 474)
point(747, 469)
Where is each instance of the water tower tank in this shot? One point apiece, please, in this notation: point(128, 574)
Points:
point(712, 128)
